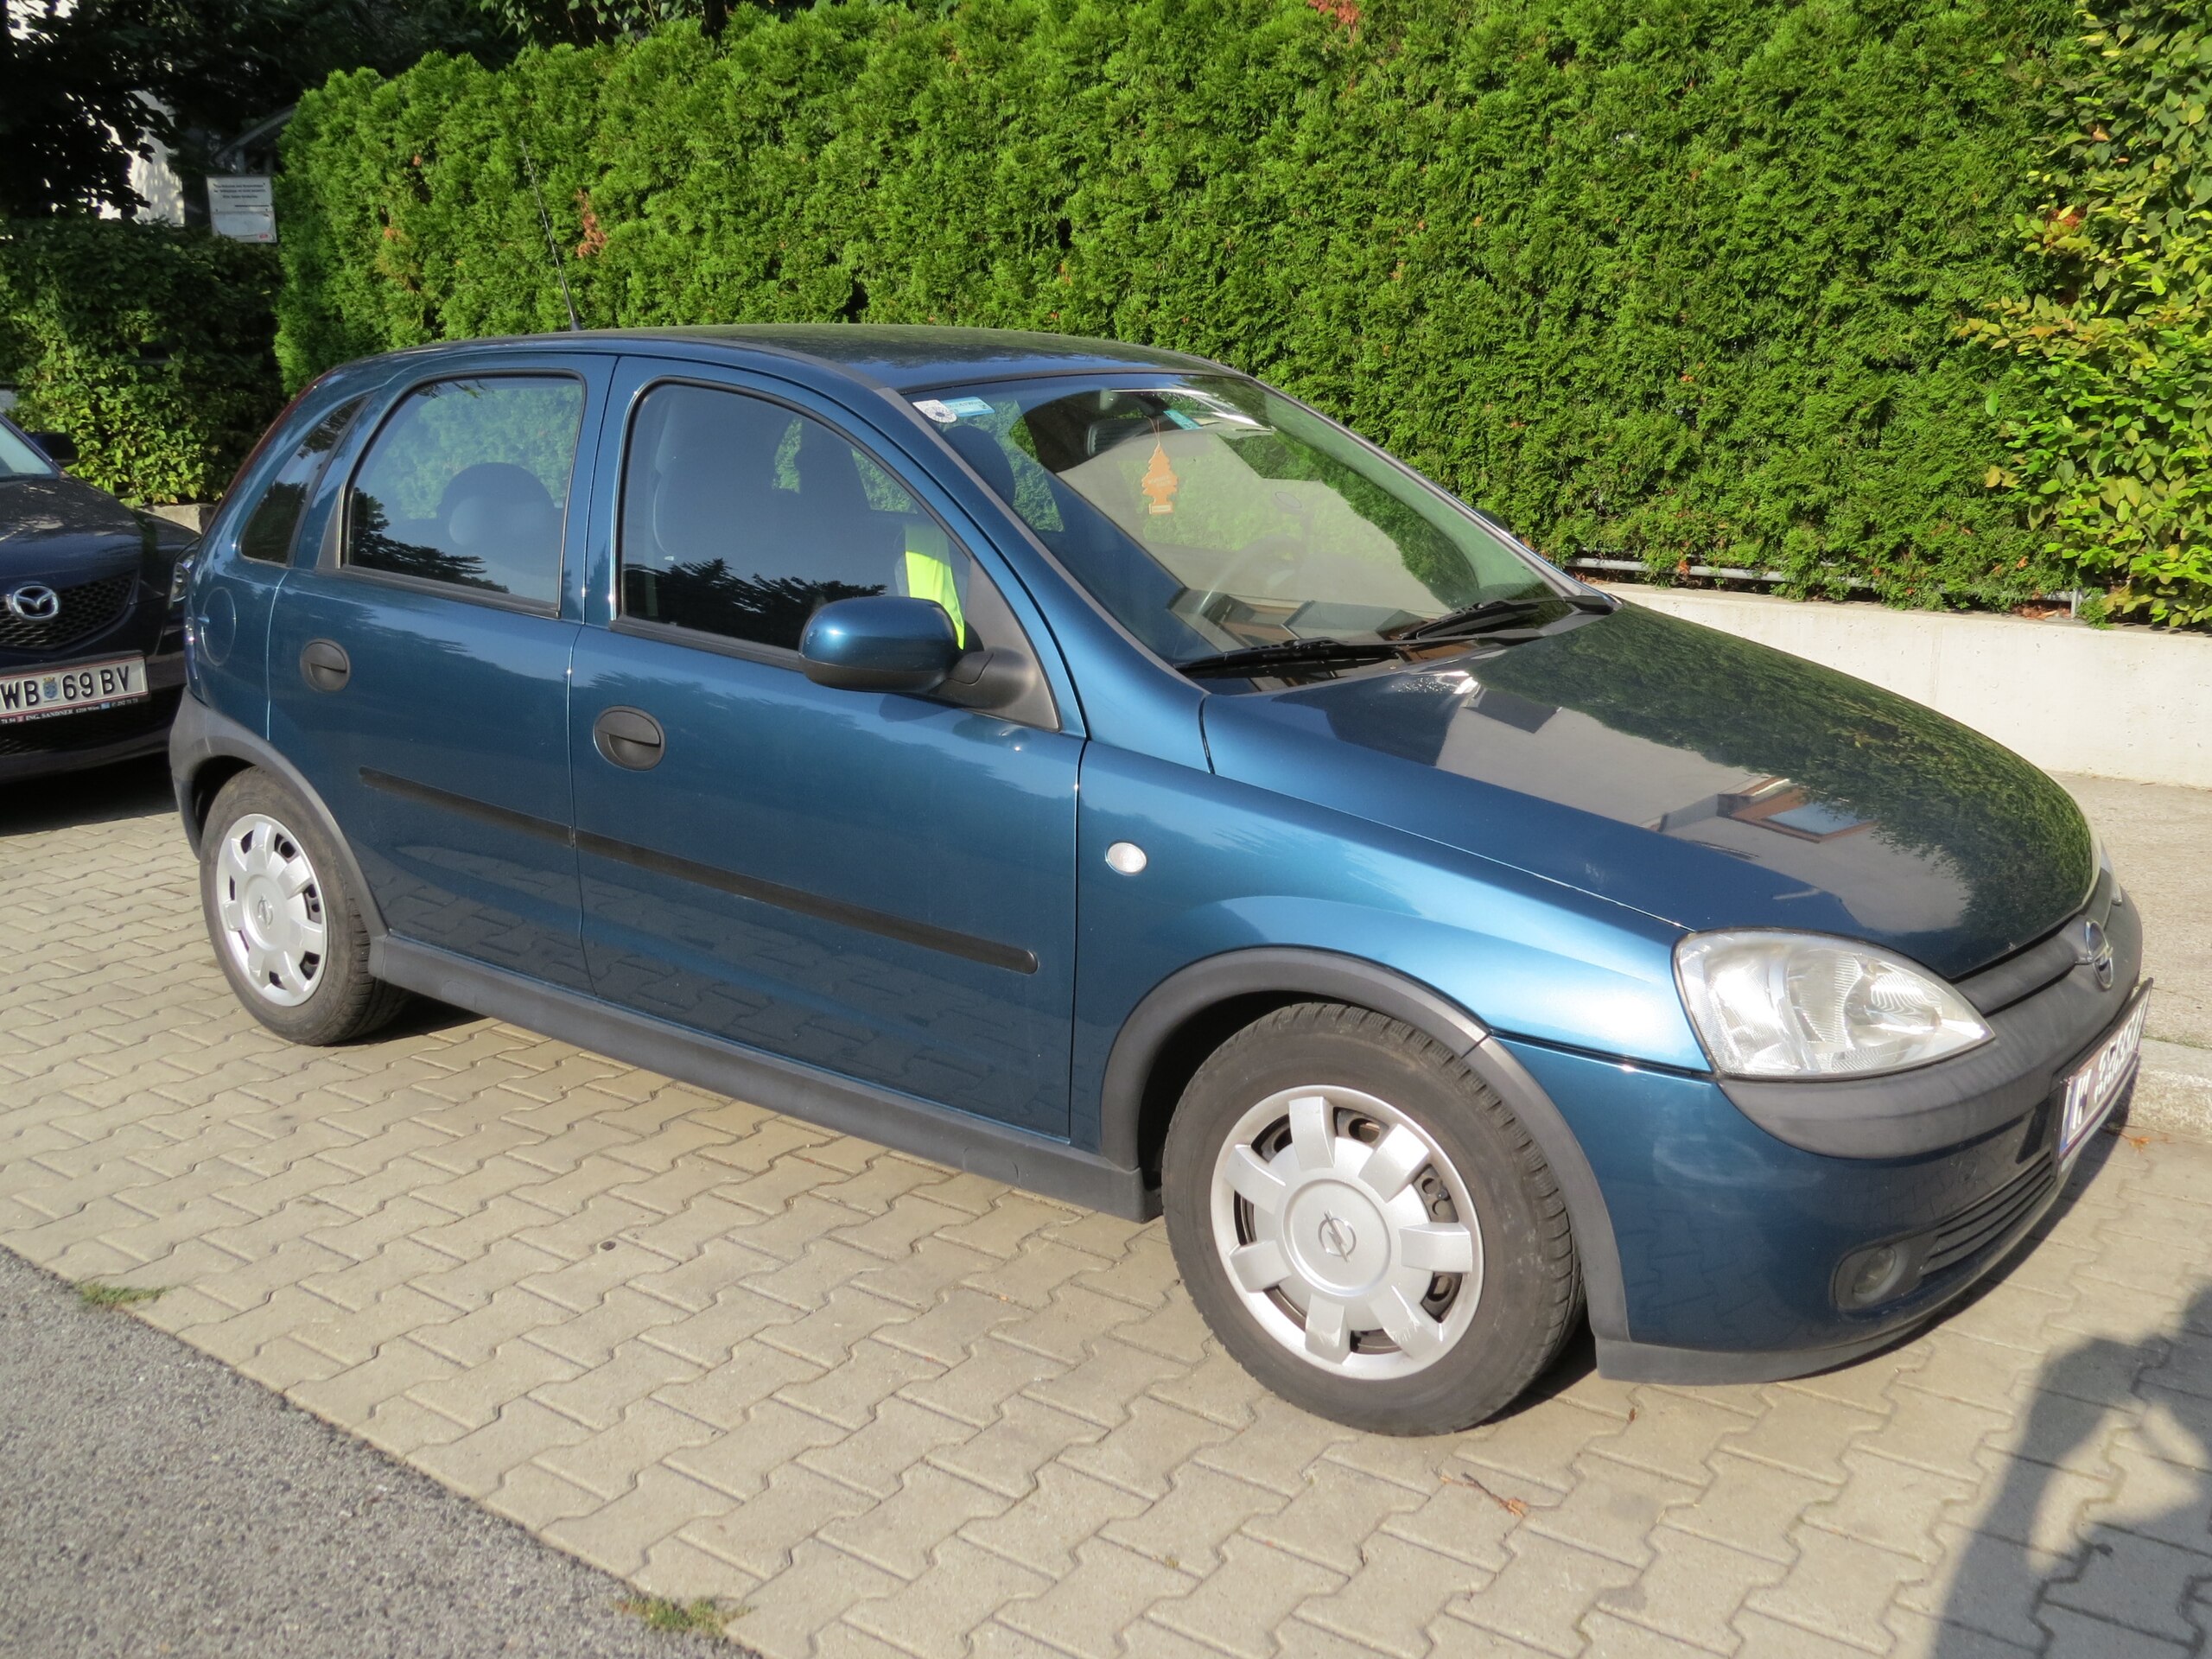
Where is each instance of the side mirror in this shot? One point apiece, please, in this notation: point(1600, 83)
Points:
point(57, 446)
point(881, 643)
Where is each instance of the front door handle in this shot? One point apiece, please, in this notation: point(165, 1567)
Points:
point(630, 738)
point(324, 664)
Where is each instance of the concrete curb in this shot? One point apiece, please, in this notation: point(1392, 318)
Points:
point(2133, 704)
point(193, 515)
point(2173, 1093)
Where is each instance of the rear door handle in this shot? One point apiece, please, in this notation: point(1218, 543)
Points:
point(630, 738)
point(324, 664)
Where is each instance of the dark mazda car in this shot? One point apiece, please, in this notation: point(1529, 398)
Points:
point(92, 618)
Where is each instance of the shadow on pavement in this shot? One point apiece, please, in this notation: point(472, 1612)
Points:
point(2141, 1563)
point(130, 789)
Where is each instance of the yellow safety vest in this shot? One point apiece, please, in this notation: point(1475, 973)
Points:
point(926, 572)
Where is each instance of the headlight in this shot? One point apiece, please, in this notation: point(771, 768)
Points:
point(2104, 866)
point(181, 579)
point(1805, 1005)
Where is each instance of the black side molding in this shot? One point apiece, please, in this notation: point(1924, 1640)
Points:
point(967, 946)
point(467, 806)
point(1051, 1167)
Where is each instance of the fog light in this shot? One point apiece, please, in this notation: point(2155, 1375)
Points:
point(1872, 1276)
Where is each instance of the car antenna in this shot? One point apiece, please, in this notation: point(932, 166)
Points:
point(552, 249)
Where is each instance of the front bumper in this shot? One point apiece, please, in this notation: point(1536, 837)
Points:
point(75, 742)
point(1733, 1210)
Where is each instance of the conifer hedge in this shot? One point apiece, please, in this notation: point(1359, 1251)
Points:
point(1674, 280)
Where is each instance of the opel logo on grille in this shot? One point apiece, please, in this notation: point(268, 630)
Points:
point(2096, 953)
point(34, 602)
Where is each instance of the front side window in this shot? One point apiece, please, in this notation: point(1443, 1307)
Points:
point(268, 534)
point(741, 517)
point(1209, 515)
point(468, 485)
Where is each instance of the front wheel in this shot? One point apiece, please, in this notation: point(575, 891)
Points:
point(286, 928)
point(1365, 1225)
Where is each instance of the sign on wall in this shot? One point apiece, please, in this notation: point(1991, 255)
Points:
point(239, 206)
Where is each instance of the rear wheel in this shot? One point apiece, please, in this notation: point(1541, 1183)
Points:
point(1365, 1225)
point(286, 928)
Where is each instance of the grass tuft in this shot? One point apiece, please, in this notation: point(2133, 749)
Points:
point(705, 1615)
point(94, 1295)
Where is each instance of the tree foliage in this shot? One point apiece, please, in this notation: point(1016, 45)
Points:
point(591, 23)
point(84, 87)
point(2111, 428)
point(1674, 282)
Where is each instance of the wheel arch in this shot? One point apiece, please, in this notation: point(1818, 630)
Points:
point(1190, 1013)
point(208, 749)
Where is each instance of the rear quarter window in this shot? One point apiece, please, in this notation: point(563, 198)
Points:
point(273, 524)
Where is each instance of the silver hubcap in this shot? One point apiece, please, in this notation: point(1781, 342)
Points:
point(1347, 1232)
point(271, 906)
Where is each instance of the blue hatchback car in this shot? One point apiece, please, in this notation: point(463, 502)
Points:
point(1086, 766)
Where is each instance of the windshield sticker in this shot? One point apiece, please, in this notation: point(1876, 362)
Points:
point(966, 406)
point(936, 412)
point(1160, 482)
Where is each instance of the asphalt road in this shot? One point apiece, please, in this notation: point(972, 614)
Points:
point(152, 1501)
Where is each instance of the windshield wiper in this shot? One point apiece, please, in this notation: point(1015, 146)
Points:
point(1300, 653)
point(1479, 618)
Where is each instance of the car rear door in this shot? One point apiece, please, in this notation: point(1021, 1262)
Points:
point(418, 667)
point(881, 886)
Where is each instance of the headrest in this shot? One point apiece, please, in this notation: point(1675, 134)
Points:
point(500, 485)
point(981, 451)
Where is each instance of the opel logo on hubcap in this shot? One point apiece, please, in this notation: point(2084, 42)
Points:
point(1336, 1239)
point(34, 602)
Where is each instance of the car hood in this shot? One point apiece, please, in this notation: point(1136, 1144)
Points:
point(1696, 777)
point(62, 528)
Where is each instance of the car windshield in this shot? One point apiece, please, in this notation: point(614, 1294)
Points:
point(1209, 515)
point(18, 459)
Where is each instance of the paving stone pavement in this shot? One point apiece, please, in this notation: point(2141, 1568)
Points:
point(891, 1409)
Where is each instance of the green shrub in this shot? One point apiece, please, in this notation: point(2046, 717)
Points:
point(1677, 283)
point(149, 347)
point(2111, 439)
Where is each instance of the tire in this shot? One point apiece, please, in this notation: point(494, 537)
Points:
point(1365, 1225)
point(286, 927)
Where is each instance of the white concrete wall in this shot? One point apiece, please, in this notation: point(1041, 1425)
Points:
point(2114, 703)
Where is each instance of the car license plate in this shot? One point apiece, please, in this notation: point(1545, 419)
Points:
point(2097, 1082)
point(70, 690)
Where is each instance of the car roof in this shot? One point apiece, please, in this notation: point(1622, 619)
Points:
point(906, 358)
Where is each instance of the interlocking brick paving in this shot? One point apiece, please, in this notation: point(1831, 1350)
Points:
point(894, 1409)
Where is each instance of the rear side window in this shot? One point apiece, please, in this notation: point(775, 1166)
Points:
point(467, 485)
point(270, 531)
point(741, 517)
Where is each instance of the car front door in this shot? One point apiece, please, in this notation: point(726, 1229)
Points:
point(418, 666)
point(881, 886)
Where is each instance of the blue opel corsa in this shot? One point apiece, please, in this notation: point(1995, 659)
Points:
point(1083, 766)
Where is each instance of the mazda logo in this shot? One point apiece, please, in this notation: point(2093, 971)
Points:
point(34, 602)
point(2095, 954)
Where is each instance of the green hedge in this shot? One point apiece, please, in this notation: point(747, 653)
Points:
point(2110, 432)
point(1674, 281)
point(151, 347)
